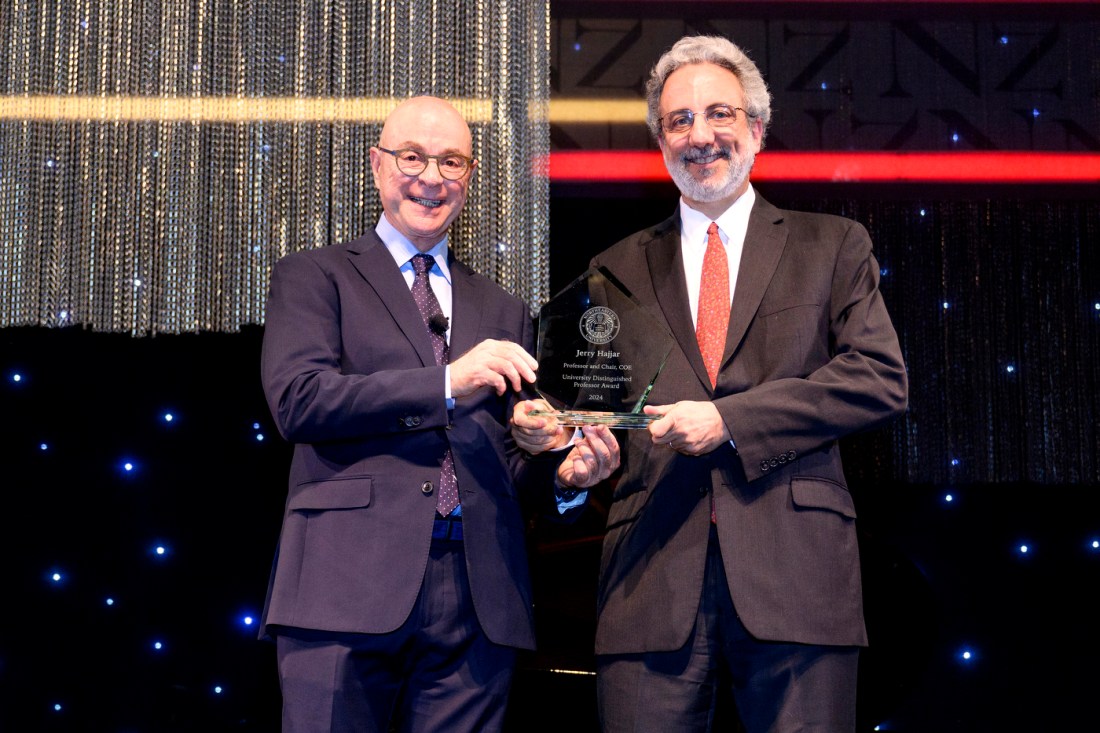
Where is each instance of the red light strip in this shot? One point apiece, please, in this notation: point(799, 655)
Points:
point(637, 166)
point(879, 2)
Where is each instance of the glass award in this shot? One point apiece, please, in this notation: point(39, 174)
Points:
point(599, 353)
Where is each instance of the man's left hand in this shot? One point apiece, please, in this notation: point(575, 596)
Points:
point(691, 428)
point(537, 433)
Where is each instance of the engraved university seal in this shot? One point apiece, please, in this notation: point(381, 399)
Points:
point(599, 325)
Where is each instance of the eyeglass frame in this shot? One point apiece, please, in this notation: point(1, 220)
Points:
point(692, 114)
point(470, 162)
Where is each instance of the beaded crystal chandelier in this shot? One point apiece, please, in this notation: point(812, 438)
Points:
point(156, 158)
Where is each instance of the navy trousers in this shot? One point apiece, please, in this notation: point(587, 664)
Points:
point(436, 672)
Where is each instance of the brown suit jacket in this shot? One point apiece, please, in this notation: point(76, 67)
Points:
point(811, 356)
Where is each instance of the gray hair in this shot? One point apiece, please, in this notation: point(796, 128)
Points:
point(709, 50)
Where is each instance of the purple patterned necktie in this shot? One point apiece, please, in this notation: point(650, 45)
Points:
point(429, 310)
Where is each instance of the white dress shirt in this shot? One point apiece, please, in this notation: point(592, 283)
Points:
point(732, 225)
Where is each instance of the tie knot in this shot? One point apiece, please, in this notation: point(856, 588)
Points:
point(422, 263)
point(712, 230)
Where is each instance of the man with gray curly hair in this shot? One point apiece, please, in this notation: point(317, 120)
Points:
point(710, 50)
point(719, 185)
point(730, 563)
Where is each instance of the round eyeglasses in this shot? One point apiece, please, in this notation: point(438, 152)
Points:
point(413, 162)
point(718, 116)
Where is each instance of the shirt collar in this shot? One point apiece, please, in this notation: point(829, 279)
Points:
point(694, 224)
point(402, 250)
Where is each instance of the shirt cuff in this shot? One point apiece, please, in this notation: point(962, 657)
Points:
point(567, 499)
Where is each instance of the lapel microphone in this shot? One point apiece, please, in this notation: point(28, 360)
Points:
point(439, 324)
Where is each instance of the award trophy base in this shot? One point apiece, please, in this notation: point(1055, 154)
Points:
point(580, 418)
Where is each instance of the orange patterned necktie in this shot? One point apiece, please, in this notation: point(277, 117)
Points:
point(714, 304)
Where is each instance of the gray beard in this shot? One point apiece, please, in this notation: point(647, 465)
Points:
point(713, 188)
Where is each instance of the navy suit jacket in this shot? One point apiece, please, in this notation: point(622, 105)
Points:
point(810, 356)
point(351, 380)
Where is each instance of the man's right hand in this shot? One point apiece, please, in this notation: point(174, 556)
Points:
point(595, 456)
point(492, 363)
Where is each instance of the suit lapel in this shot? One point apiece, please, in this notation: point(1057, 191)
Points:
point(666, 270)
point(375, 264)
point(466, 307)
point(764, 244)
point(763, 248)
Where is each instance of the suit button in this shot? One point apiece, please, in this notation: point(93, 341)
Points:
point(409, 422)
point(416, 421)
point(764, 466)
point(427, 488)
point(791, 455)
point(774, 462)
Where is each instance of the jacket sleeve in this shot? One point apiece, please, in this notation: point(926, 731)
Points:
point(841, 369)
point(312, 394)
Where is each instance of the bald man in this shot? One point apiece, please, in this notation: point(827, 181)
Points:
point(400, 589)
